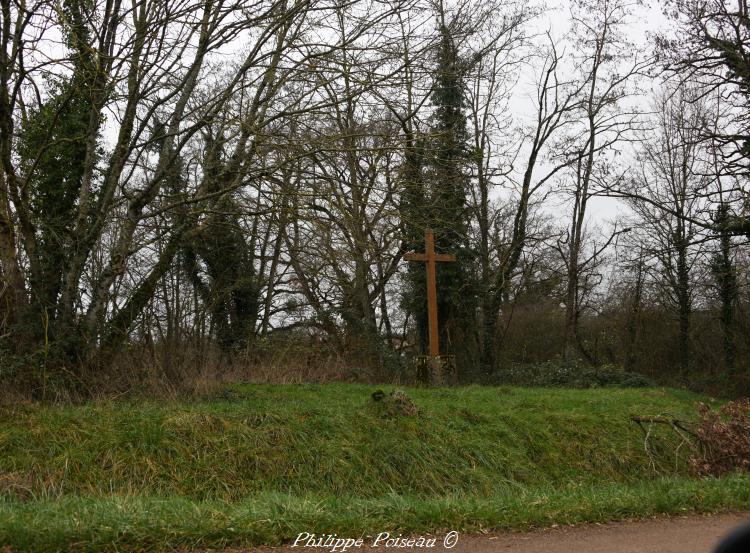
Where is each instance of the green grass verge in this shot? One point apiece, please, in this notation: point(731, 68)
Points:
point(273, 461)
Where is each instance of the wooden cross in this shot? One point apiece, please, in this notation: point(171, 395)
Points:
point(431, 258)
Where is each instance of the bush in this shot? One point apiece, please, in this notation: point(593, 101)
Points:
point(558, 375)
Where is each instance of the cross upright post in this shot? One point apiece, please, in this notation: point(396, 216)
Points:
point(430, 258)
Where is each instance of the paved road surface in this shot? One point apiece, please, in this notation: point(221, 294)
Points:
point(693, 534)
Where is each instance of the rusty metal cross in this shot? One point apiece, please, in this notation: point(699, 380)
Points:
point(430, 258)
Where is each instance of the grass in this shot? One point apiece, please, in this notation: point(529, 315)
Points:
point(268, 462)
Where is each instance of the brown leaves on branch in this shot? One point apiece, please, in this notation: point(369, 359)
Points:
point(719, 440)
point(725, 436)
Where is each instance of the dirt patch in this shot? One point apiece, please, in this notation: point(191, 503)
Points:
point(16, 485)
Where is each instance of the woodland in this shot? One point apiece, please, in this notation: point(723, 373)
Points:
point(197, 190)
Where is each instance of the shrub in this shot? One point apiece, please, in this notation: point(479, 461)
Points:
point(556, 374)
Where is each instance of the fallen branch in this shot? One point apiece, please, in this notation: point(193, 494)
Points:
point(681, 428)
point(663, 419)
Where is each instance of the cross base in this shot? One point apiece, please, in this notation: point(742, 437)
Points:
point(436, 370)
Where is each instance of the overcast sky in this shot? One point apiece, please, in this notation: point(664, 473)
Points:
point(647, 20)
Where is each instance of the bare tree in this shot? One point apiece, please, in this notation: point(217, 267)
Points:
point(673, 173)
point(607, 67)
point(554, 104)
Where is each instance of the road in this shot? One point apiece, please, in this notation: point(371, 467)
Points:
point(689, 534)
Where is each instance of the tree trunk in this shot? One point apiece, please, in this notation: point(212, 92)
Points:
point(631, 328)
point(725, 274)
point(684, 307)
point(571, 309)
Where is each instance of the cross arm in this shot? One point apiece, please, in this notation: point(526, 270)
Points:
point(445, 257)
point(424, 257)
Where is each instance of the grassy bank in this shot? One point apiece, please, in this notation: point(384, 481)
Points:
point(266, 462)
